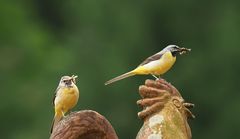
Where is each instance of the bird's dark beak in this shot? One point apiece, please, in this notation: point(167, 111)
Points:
point(183, 50)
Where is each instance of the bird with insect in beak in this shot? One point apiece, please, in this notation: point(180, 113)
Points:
point(156, 64)
point(66, 97)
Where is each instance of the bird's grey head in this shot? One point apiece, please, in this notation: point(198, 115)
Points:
point(67, 81)
point(174, 49)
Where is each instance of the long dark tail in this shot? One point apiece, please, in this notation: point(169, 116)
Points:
point(131, 73)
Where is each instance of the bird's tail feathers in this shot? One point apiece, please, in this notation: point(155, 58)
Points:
point(56, 119)
point(128, 74)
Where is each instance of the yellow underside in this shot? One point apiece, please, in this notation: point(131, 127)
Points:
point(157, 67)
point(67, 99)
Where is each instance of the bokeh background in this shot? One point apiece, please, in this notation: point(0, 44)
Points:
point(42, 40)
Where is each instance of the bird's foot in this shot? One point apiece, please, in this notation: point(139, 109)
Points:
point(159, 77)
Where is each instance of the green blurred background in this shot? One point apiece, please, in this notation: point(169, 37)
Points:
point(42, 40)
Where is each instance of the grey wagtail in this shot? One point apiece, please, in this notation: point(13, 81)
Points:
point(156, 64)
point(66, 97)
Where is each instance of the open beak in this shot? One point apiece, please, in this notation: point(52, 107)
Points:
point(183, 50)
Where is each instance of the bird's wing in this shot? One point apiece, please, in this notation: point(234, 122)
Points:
point(152, 58)
point(55, 94)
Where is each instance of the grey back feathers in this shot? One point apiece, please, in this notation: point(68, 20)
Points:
point(158, 55)
point(152, 58)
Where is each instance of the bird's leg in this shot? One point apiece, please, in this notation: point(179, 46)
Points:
point(155, 76)
point(159, 77)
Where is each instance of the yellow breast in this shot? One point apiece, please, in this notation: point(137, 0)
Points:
point(160, 66)
point(66, 98)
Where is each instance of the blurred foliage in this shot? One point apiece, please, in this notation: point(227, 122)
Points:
point(42, 40)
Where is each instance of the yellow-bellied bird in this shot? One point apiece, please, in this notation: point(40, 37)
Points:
point(156, 64)
point(66, 97)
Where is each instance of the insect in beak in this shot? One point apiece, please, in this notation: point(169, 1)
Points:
point(73, 78)
point(183, 50)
